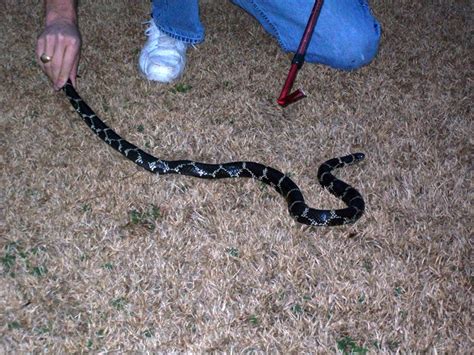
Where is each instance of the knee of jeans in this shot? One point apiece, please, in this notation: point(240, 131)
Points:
point(350, 52)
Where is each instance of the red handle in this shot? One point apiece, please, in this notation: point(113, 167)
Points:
point(285, 99)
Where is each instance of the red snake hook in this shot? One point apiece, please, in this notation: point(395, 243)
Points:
point(298, 59)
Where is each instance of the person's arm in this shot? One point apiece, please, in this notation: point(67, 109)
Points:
point(60, 40)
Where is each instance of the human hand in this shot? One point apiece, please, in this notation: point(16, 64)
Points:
point(61, 41)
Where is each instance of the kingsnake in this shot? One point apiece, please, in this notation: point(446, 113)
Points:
point(297, 207)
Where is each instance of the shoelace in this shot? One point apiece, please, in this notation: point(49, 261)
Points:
point(157, 35)
point(158, 38)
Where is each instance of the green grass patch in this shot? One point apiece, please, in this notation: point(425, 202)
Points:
point(348, 346)
point(148, 333)
point(15, 256)
point(38, 271)
point(367, 264)
point(234, 252)
point(146, 218)
point(181, 88)
point(14, 325)
point(8, 261)
point(107, 266)
point(296, 309)
point(253, 319)
point(398, 291)
point(86, 208)
point(119, 303)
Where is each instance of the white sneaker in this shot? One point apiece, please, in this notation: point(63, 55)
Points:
point(162, 57)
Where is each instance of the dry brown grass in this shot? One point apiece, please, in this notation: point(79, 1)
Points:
point(98, 255)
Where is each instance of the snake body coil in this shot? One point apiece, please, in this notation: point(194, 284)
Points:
point(268, 175)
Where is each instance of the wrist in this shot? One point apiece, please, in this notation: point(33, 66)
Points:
point(61, 11)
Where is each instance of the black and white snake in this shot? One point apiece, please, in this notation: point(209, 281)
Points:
point(297, 208)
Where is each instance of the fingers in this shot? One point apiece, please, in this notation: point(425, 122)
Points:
point(40, 50)
point(67, 67)
point(46, 45)
point(50, 68)
point(73, 75)
point(61, 42)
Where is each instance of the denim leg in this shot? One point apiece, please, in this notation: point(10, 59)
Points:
point(346, 36)
point(179, 19)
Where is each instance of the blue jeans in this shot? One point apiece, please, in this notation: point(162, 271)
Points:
point(346, 36)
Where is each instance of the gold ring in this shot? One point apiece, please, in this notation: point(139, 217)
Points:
point(45, 58)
